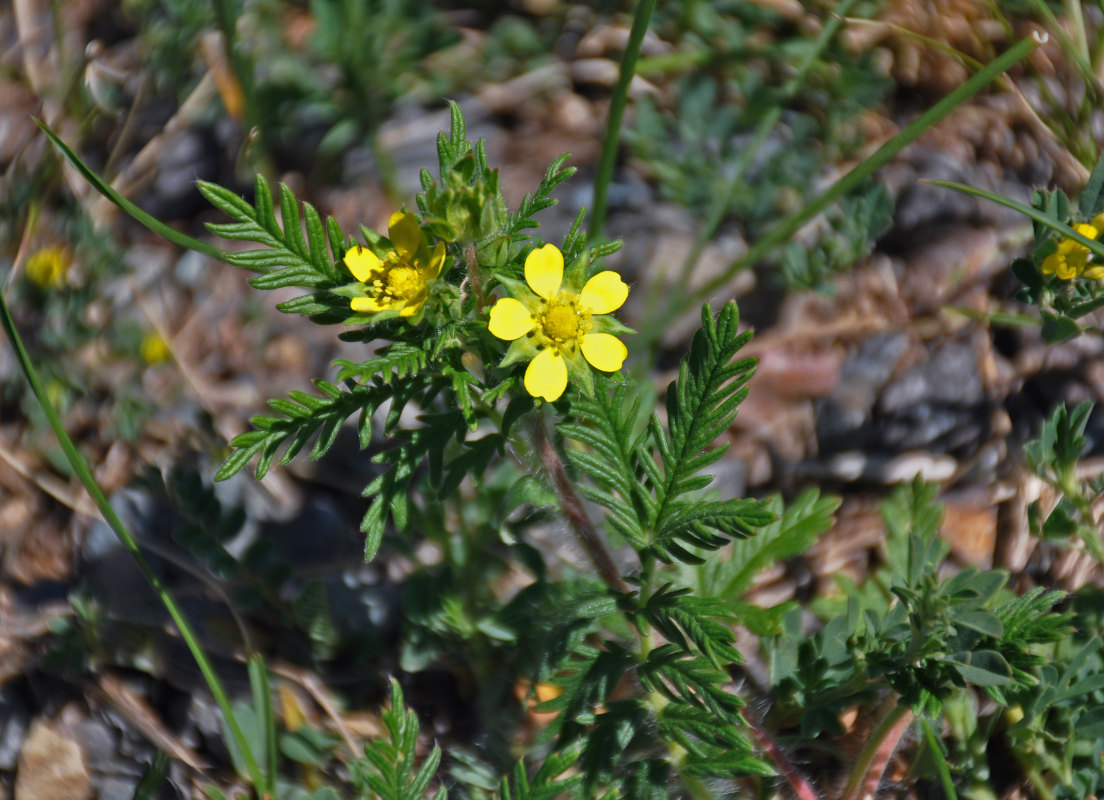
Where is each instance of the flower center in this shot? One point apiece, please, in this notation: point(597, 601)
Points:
point(561, 321)
point(402, 282)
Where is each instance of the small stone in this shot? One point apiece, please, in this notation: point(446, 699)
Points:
point(51, 767)
point(971, 532)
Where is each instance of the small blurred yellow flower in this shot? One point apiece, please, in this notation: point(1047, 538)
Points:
point(398, 282)
point(49, 267)
point(1072, 258)
point(559, 324)
point(154, 349)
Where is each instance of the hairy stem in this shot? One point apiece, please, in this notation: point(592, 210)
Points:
point(473, 279)
point(572, 504)
point(875, 755)
point(802, 789)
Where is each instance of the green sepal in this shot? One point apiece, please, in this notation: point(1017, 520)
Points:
point(350, 290)
point(1027, 273)
point(376, 242)
point(575, 274)
point(523, 348)
point(439, 228)
point(519, 290)
point(607, 323)
point(360, 318)
point(580, 370)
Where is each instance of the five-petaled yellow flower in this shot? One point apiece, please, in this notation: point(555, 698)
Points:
point(560, 328)
point(398, 282)
point(1073, 258)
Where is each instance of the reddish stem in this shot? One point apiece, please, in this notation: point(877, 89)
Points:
point(573, 509)
point(874, 759)
point(802, 789)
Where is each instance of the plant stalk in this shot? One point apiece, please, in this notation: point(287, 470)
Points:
point(875, 755)
point(788, 227)
point(618, 102)
point(84, 473)
point(572, 504)
point(802, 789)
point(940, 762)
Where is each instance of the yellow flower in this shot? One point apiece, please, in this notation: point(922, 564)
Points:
point(398, 282)
point(1073, 258)
point(48, 267)
point(154, 349)
point(553, 325)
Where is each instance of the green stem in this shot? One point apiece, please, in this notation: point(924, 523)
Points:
point(940, 762)
point(84, 473)
point(695, 787)
point(616, 112)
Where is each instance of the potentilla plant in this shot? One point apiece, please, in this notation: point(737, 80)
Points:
point(508, 350)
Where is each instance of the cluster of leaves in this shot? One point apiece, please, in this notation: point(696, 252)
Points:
point(337, 88)
point(1054, 729)
point(650, 482)
point(699, 148)
point(1054, 457)
point(852, 227)
point(426, 369)
point(654, 503)
point(920, 638)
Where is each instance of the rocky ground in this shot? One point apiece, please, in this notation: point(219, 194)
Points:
point(873, 382)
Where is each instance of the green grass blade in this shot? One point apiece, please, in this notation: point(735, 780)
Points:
point(262, 704)
point(722, 201)
point(786, 229)
point(1064, 230)
point(104, 188)
point(618, 101)
point(84, 473)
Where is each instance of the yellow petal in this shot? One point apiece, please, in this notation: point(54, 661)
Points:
point(412, 306)
point(362, 262)
point(432, 270)
point(603, 293)
point(604, 351)
point(510, 319)
point(368, 305)
point(544, 270)
point(404, 233)
point(1094, 271)
point(546, 375)
point(1088, 231)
